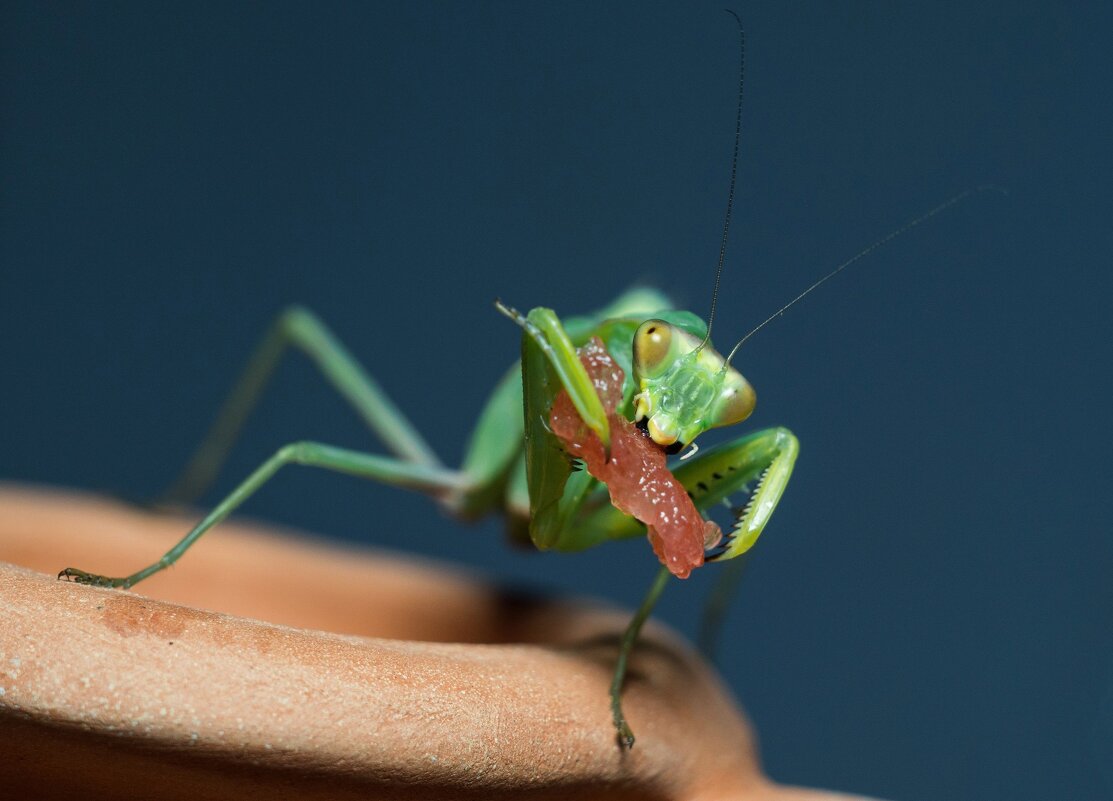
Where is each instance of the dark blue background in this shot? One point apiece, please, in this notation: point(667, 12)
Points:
point(930, 614)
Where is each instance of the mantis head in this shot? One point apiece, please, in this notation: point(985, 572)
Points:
point(684, 386)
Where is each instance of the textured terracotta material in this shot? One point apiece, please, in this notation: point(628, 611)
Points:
point(269, 667)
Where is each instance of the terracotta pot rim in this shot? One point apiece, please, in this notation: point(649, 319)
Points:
point(115, 689)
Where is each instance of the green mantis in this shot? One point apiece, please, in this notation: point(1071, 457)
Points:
point(676, 385)
point(513, 463)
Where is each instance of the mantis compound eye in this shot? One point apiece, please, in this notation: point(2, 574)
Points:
point(735, 403)
point(653, 348)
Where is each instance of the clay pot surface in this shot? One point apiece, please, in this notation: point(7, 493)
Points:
point(271, 666)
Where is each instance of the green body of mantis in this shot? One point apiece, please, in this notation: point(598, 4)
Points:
point(677, 385)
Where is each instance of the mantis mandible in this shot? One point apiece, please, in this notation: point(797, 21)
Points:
point(676, 386)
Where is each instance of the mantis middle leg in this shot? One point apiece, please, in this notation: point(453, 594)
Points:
point(299, 328)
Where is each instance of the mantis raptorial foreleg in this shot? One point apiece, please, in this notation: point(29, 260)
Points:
point(297, 327)
point(763, 460)
point(434, 480)
point(545, 329)
point(765, 457)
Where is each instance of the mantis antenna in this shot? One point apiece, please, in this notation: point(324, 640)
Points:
point(733, 176)
point(908, 226)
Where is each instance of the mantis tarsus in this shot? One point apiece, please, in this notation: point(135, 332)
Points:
point(678, 385)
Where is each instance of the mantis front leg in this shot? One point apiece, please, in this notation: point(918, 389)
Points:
point(765, 457)
point(549, 364)
point(544, 328)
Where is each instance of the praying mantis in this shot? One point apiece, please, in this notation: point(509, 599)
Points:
point(675, 384)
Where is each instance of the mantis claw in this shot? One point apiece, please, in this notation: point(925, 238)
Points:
point(623, 733)
point(90, 579)
point(625, 737)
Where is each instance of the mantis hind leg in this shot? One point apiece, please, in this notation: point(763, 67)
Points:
point(718, 602)
point(469, 490)
point(299, 328)
point(434, 480)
